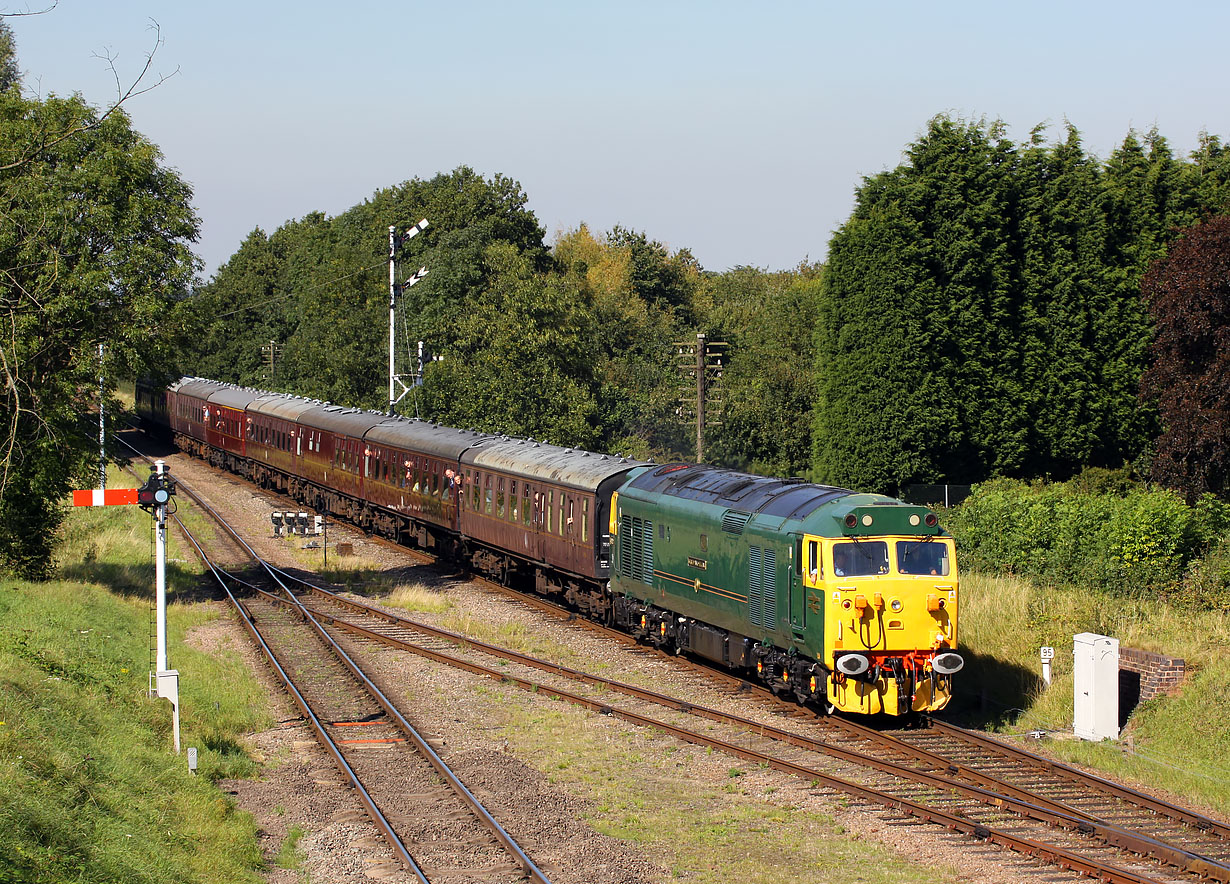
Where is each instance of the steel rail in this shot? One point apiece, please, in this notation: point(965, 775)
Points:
point(1144, 846)
point(1158, 806)
point(1029, 804)
point(484, 816)
point(378, 818)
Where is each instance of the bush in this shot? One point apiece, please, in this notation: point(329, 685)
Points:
point(1098, 531)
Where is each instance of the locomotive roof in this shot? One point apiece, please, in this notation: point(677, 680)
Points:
point(784, 498)
point(540, 460)
point(429, 438)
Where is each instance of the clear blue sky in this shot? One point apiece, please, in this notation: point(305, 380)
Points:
point(739, 131)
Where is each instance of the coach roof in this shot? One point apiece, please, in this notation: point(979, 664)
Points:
point(549, 463)
point(427, 438)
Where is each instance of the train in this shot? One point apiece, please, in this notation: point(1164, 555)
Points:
point(843, 601)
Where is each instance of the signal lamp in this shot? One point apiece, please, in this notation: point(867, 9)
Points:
point(851, 520)
point(931, 520)
point(153, 493)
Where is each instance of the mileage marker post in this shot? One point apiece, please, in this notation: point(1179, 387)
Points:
point(153, 497)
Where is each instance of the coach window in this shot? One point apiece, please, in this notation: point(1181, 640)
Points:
point(585, 520)
point(525, 503)
point(499, 498)
point(550, 509)
point(512, 501)
point(487, 508)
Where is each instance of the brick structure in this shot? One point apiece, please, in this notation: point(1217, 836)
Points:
point(1144, 675)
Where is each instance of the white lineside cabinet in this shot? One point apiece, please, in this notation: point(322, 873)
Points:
point(1095, 674)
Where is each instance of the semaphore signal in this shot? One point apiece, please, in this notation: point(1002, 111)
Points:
point(152, 497)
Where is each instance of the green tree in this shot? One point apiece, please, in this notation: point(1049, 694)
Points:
point(635, 288)
point(521, 360)
point(917, 354)
point(319, 286)
point(9, 73)
point(1082, 329)
point(768, 382)
point(231, 350)
point(94, 248)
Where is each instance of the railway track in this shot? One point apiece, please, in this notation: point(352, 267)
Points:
point(435, 826)
point(921, 784)
point(962, 781)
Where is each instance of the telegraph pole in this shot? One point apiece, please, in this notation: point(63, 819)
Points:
point(275, 350)
point(701, 362)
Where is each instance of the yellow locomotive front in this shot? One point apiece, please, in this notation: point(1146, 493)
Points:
point(890, 614)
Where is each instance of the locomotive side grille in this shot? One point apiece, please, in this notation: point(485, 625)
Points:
point(755, 587)
point(636, 549)
point(762, 586)
point(769, 583)
point(733, 521)
point(647, 553)
point(625, 546)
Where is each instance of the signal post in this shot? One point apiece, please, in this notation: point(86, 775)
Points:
point(152, 497)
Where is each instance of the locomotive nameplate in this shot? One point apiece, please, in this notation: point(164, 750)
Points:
point(701, 564)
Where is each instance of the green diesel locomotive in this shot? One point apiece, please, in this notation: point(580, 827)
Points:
point(845, 600)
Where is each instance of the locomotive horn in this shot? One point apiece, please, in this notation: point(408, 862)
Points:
point(854, 664)
point(947, 663)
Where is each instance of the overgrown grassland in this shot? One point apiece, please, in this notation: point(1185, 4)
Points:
point(1175, 743)
point(90, 789)
point(642, 791)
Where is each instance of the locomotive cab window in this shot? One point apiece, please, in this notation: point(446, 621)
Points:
point(864, 558)
point(922, 557)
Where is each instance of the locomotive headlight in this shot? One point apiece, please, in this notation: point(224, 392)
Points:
point(947, 663)
point(915, 520)
point(867, 520)
point(853, 664)
point(896, 606)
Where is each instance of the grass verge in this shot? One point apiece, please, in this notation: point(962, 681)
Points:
point(1174, 743)
point(643, 790)
point(90, 789)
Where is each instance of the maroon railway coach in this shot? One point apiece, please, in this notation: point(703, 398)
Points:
point(528, 505)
